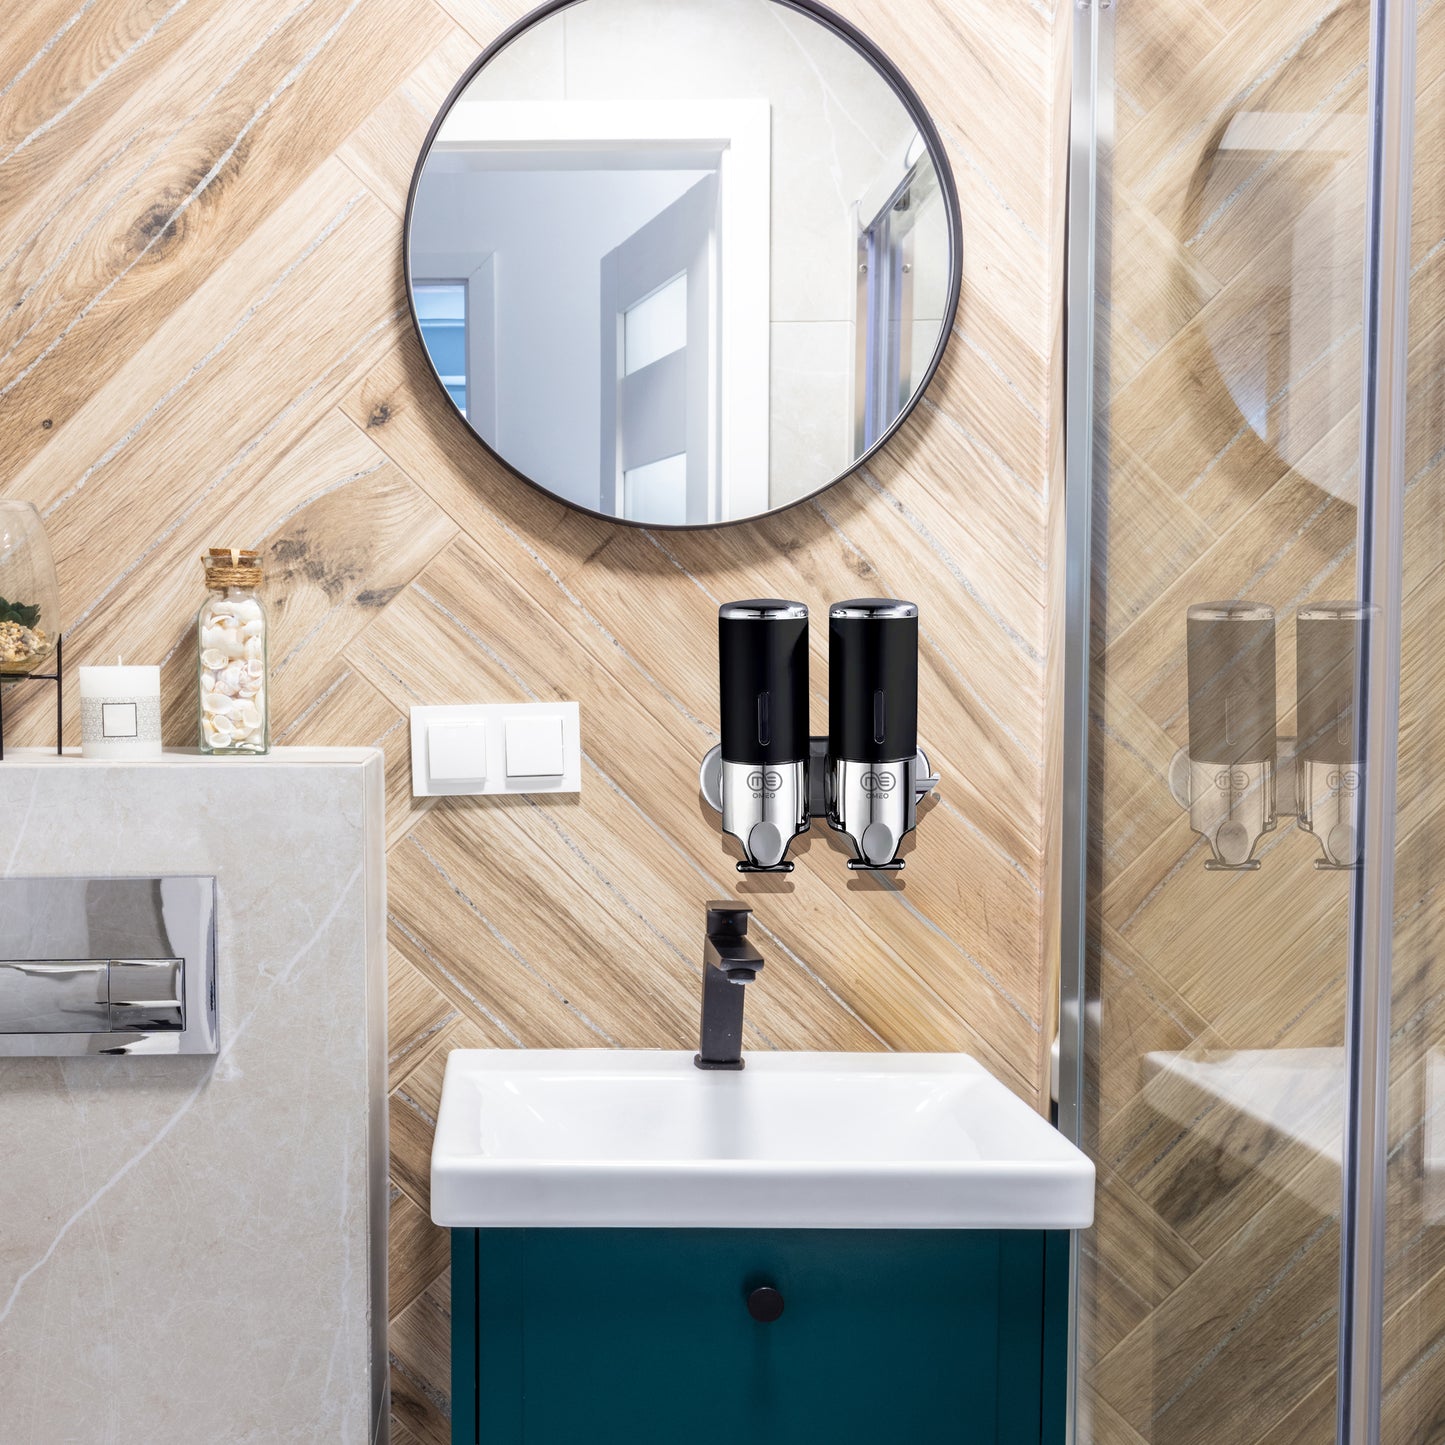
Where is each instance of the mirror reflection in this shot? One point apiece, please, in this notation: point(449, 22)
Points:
point(682, 263)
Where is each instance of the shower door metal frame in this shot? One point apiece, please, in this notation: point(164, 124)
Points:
point(1091, 139)
point(1380, 568)
point(1380, 572)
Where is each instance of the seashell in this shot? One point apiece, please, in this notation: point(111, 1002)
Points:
point(248, 716)
point(218, 731)
point(247, 690)
point(213, 658)
point(255, 669)
point(213, 639)
point(248, 611)
point(216, 703)
point(254, 629)
point(230, 682)
point(255, 649)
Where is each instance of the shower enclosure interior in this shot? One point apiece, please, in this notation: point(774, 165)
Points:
point(1253, 1019)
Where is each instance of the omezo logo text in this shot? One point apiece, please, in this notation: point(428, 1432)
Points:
point(1345, 781)
point(1234, 780)
point(765, 782)
point(879, 784)
point(1231, 779)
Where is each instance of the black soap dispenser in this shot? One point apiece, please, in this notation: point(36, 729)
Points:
point(873, 760)
point(763, 701)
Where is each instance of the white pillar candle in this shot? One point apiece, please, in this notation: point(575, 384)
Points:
point(120, 712)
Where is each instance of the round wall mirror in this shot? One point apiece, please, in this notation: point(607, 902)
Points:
point(683, 262)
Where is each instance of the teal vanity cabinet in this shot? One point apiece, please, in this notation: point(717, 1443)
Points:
point(646, 1336)
point(820, 1249)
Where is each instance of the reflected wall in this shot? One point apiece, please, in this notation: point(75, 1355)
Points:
point(1413, 1406)
point(1226, 476)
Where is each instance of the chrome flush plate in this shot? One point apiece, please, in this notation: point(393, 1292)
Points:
point(108, 966)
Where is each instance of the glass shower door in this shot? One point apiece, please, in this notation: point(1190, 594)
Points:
point(1219, 821)
point(1413, 1404)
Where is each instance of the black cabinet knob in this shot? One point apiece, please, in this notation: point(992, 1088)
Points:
point(765, 1304)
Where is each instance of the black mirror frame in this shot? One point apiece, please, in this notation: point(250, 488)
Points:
point(933, 142)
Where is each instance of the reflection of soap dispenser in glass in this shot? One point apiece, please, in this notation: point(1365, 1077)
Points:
point(1229, 782)
point(1328, 767)
point(873, 760)
point(763, 700)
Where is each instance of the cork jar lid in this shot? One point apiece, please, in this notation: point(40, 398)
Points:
point(232, 567)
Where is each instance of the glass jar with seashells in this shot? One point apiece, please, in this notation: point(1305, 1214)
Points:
point(231, 666)
point(29, 594)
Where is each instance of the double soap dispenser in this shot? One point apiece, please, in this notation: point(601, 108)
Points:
point(769, 779)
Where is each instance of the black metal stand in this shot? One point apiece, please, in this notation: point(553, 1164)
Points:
point(54, 677)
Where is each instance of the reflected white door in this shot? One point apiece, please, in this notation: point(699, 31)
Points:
point(661, 364)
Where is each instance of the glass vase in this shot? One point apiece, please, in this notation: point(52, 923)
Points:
point(29, 593)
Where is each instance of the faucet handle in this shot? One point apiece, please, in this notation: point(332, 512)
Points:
point(726, 916)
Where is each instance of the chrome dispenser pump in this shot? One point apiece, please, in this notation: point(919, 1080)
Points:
point(873, 726)
point(1226, 776)
point(763, 701)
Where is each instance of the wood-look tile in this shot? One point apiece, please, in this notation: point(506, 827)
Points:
point(401, 1432)
point(1413, 1402)
point(1259, 1313)
point(343, 710)
point(1111, 1308)
point(382, 151)
point(420, 1251)
point(1107, 1426)
point(484, 20)
point(417, 1016)
point(327, 71)
point(1311, 1421)
point(1158, 163)
point(420, 1344)
point(1142, 1251)
point(1156, 50)
point(1140, 1013)
point(1147, 534)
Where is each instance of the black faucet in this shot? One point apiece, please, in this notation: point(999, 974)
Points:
point(728, 962)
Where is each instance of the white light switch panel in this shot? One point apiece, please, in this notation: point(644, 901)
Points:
point(456, 752)
point(535, 747)
point(480, 748)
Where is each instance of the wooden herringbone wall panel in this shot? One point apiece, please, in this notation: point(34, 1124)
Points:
point(204, 341)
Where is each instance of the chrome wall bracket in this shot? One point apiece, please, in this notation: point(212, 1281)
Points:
point(107, 966)
point(819, 804)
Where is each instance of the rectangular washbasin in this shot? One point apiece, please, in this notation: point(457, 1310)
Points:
point(578, 1138)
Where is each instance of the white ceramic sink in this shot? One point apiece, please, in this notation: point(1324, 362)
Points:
point(582, 1137)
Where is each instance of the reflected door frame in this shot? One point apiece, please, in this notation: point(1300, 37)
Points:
point(736, 137)
point(460, 268)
